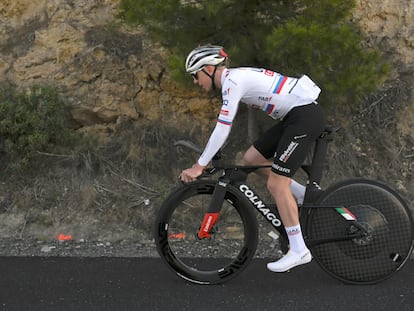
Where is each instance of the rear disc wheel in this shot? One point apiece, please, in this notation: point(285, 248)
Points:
point(387, 236)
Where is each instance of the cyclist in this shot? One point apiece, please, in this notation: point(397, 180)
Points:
point(293, 101)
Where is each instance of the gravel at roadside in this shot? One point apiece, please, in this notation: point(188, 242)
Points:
point(76, 248)
point(85, 248)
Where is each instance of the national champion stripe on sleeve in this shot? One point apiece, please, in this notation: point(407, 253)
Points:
point(224, 122)
point(280, 84)
point(269, 108)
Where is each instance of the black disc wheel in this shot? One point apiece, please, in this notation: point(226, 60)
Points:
point(370, 248)
point(216, 259)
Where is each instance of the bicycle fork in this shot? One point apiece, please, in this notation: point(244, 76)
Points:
point(212, 215)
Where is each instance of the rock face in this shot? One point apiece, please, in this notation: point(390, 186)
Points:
point(107, 71)
point(110, 72)
point(390, 27)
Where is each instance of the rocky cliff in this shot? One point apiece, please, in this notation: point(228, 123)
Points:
point(112, 74)
point(389, 26)
point(106, 71)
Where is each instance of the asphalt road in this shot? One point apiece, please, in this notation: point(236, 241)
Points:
point(64, 283)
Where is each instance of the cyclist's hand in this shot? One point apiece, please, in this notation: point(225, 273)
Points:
point(190, 174)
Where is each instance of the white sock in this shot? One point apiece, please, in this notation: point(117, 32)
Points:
point(298, 191)
point(296, 242)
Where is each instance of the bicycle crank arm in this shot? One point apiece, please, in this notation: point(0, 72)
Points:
point(336, 238)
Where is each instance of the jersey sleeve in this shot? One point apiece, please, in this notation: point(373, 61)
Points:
point(216, 141)
point(231, 95)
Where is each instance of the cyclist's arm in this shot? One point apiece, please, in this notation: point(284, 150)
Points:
point(232, 91)
point(216, 141)
point(224, 123)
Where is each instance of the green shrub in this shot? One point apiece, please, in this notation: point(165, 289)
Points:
point(30, 121)
point(291, 37)
point(323, 44)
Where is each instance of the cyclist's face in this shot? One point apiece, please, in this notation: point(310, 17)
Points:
point(203, 79)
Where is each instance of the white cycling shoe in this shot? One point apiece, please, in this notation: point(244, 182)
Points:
point(289, 261)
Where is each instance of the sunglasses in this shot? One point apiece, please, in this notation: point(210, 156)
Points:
point(195, 74)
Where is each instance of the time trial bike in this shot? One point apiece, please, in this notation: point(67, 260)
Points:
point(359, 230)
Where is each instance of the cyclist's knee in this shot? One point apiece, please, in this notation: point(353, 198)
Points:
point(248, 157)
point(278, 184)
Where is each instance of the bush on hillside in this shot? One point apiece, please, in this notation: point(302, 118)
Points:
point(34, 120)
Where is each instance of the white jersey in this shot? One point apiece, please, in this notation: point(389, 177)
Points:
point(263, 89)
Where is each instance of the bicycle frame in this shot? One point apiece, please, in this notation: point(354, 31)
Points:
point(237, 175)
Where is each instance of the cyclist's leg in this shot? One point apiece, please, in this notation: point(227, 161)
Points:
point(262, 150)
point(298, 254)
point(253, 157)
point(300, 128)
point(298, 191)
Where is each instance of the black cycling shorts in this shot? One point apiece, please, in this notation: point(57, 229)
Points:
point(289, 141)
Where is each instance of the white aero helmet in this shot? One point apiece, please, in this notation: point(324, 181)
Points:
point(203, 56)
